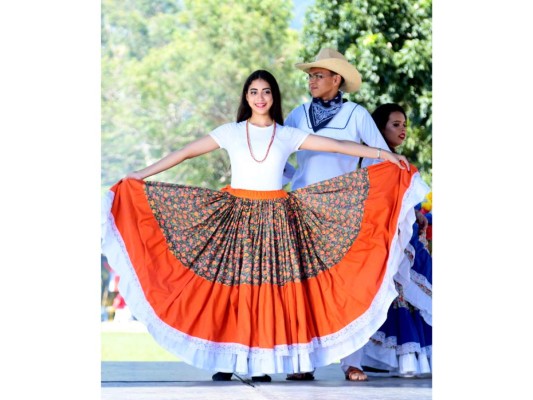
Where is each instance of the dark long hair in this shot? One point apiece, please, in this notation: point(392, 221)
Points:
point(245, 111)
point(381, 117)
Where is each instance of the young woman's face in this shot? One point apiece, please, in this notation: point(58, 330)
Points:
point(395, 129)
point(259, 97)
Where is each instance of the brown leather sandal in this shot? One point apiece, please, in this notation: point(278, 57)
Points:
point(355, 375)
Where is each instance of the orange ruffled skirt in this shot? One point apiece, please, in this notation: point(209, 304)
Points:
point(262, 282)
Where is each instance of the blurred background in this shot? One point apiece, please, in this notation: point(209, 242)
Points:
point(173, 70)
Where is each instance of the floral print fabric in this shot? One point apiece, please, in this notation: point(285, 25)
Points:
point(233, 240)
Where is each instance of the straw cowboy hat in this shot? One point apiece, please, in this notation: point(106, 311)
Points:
point(335, 61)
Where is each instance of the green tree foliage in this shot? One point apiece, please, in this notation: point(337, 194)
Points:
point(389, 41)
point(173, 70)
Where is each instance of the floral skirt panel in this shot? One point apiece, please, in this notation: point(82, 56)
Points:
point(262, 282)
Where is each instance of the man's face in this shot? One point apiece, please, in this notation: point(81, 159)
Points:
point(323, 83)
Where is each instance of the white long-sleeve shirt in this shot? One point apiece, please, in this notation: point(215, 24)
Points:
point(352, 122)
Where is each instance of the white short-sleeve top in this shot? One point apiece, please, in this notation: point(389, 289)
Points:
point(246, 173)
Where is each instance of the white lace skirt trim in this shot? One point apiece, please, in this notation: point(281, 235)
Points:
point(405, 360)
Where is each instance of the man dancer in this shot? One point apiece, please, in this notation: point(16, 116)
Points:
point(328, 114)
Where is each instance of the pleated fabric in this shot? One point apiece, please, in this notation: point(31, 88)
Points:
point(403, 344)
point(262, 282)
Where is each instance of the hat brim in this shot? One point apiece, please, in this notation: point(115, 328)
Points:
point(352, 77)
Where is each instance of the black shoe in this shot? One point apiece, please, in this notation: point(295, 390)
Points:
point(262, 378)
point(222, 376)
point(301, 376)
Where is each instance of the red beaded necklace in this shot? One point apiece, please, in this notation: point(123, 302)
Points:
point(250, 145)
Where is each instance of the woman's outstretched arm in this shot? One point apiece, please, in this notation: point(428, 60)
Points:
point(191, 150)
point(321, 143)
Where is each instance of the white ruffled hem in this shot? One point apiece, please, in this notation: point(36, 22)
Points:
point(419, 298)
point(234, 357)
point(408, 360)
point(417, 290)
